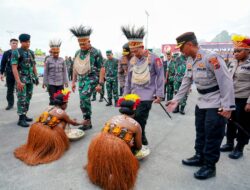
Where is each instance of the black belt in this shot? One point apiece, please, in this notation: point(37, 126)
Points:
point(208, 90)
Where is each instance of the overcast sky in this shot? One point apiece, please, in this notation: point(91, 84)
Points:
point(50, 19)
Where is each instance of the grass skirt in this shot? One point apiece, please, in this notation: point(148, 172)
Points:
point(44, 145)
point(111, 164)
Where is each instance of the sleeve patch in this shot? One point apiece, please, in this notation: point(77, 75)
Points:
point(158, 62)
point(214, 61)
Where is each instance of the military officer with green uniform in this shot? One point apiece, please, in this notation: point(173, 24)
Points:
point(86, 68)
point(180, 69)
point(170, 74)
point(25, 73)
point(111, 77)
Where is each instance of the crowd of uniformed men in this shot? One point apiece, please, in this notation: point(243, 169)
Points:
point(223, 90)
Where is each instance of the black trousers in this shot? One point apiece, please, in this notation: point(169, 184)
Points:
point(210, 130)
point(142, 113)
point(10, 81)
point(243, 118)
point(53, 89)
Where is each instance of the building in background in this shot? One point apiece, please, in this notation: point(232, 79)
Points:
point(225, 49)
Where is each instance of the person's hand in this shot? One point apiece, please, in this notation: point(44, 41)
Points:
point(20, 86)
point(132, 143)
point(157, 100)
point(44, 86)
point(73, 86)
point(171, 105)
point(66, 85)
point(225, 113)
point(247, 107)
point(1, 77)
point(98, 88)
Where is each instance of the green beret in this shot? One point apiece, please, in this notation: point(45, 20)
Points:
point(108, 52)
point(24, 37)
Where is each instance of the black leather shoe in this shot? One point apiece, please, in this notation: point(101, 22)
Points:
point(205, 172)
point(93, 99)
point(101, 100)
point(28, 119)
point(144, 140)
point(196, 160)
point(235, 154)
point(227, 147)
point(176, 110)
point(85, 127)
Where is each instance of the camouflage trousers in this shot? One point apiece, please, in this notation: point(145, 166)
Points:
point(112, 88)
point(170, 90)
point(86, 88)
point(101, 94)
point(23, 99)
point(183, 101)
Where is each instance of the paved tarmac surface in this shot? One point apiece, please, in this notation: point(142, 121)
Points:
point(169, 140)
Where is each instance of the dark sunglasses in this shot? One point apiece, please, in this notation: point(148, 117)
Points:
point(238, 50)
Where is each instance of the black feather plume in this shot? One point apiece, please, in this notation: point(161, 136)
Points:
point(81, 31)
point(132, 33)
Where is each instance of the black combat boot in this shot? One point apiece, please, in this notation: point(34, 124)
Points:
point(196, 160)
point(176, 109)
point(182, 110)
point(228, 147)
point(86, 126)
point(206, 171)
point(22, 122)
point(237, 152)
point(28, 119)
point(109, 103)
point(101, 98)
point(9, 107)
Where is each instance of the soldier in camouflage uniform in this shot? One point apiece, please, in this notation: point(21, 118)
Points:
point(123, 67)
point(25, 73)
point(165, 67)
point(111, 75)
point(87, 65)
point(102, 93)
point(180, 69)
point(170, 78)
